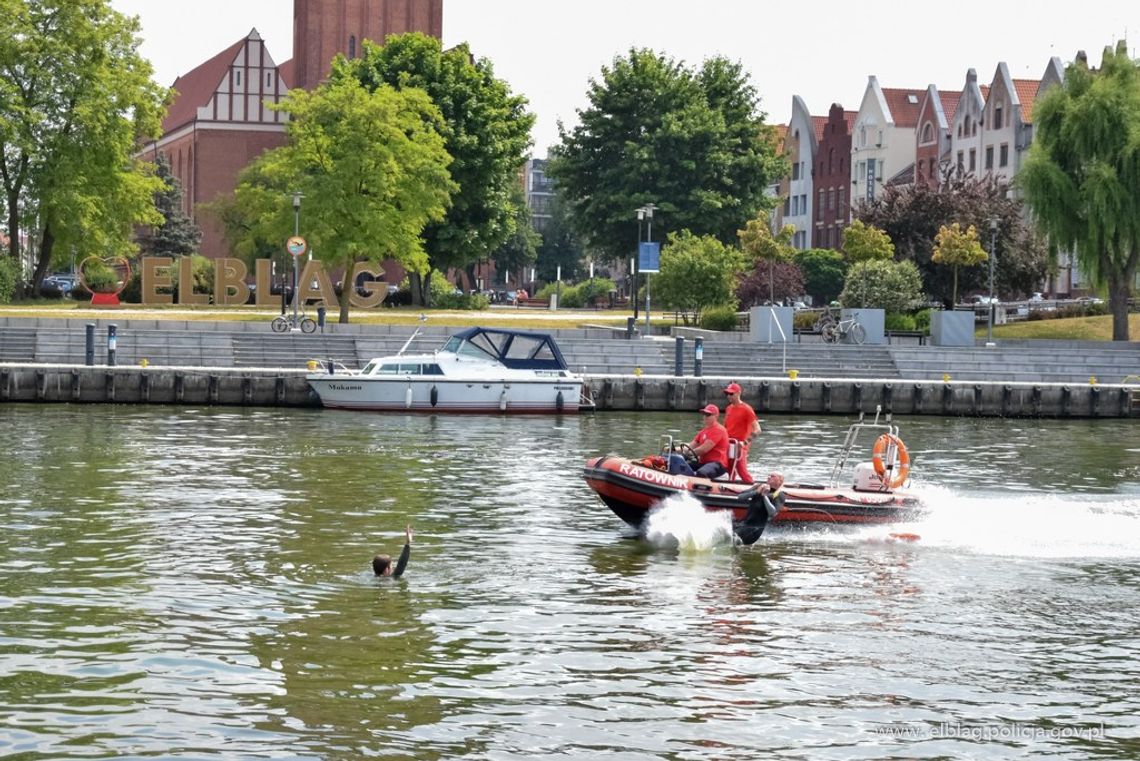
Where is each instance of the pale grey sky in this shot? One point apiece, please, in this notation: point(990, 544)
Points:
point(548, 51)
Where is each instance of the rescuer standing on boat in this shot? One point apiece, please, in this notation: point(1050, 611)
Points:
point(741, 423)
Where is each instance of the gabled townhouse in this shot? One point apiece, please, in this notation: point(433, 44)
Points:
point(883, 143)
point(932, 137)
point(801, 144)
point(1007, 121)
point(965, 133)
point(832, 178)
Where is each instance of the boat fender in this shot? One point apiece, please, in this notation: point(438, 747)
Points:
point(503, 401)
point(882, 445)
point(408, 398)
point(559, 402)
point(434, 396)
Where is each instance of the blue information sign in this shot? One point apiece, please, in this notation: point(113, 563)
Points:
point(649, 257)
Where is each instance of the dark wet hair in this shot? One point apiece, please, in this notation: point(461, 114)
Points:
point(381, 563)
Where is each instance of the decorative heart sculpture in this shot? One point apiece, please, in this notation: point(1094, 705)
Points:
point(104, 278)
point(104, 275)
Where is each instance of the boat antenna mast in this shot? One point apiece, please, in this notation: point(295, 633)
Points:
point(412, 337)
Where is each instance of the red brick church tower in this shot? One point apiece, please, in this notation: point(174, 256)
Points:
point(323, 28)
point(218, 122)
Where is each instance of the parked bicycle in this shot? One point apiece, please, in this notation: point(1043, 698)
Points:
point(834, 332)
point(286, 322)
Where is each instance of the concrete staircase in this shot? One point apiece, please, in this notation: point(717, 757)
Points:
point(731, 360)
point(1027, 364)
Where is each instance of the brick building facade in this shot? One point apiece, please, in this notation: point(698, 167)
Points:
point(833, 178)
point(219, 121)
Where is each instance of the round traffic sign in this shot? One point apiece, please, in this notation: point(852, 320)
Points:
point(296, 245)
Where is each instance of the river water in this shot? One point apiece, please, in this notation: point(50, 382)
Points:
point(192, 583)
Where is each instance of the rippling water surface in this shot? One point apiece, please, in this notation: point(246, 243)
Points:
point(188, 583)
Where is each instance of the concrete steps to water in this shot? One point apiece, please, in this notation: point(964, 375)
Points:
point(810, 361)
point(1019, 364)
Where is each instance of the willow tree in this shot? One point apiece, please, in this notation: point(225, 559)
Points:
point(1082, 176)
point(956, 248)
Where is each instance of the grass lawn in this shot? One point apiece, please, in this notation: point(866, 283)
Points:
point(1073, 328)
point(521, 318)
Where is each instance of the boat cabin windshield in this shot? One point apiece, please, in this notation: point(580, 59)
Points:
point(517, 349)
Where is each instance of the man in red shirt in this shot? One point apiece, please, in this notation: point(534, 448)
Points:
point(710, 445)
point(741, 423)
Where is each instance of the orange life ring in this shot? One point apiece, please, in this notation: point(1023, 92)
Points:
point(902, 457)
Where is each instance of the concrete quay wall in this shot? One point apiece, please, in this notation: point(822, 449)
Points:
point(286, 387)
point(852, 396)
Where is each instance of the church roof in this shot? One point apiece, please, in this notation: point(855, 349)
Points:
point(196, 87)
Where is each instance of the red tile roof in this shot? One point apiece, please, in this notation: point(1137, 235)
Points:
point(904, 108)
point(949, 105)
point(1026, 93)
point(196, 87)
point(849, 118)
point(819, 122)
point(286, 71)
point(781, 131)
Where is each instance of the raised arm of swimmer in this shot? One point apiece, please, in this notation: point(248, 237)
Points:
point(382, 564)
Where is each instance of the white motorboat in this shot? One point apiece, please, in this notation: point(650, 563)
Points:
point(483, 370)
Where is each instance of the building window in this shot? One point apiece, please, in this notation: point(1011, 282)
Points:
point(269, 79)
point(796, 171)
point(961, 162)
point(787, 207)
point(830, 160)
point(819, 206)
point(842, 199)
point(1003, 155)
point(989, 157)
point(927, 133)
point(237, 77)
point(973, 160)
point(352, 46)
point(932, 174)
point(831, 199)
point(997, 116)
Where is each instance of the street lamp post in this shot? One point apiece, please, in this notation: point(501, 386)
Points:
point(296, 275)
point(993, 255)
point(646, 213)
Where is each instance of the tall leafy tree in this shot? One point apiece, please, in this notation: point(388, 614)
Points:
point(956, 248)
point(177, 235)
point(1082, 177)
point(75, 100)
point(372, 167)
point(485, 129)
point(691, 141)
point(697, 272)
point(521, 249)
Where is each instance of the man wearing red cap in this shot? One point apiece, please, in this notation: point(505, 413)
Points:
point(741, 423)
point(710, 445)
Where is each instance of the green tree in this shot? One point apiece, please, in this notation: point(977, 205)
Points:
point(75, 101)
point(824, 271)
point(521, 249)
point(697, 272)
point(862, 242)
point(1082, 177)
point(371, 166)
point(560, 245)
point(956, 248)
point(693, 142)
point(762, 247)
point(882, 284)
point(912, 216)
point(177, 235)
point(485, 128)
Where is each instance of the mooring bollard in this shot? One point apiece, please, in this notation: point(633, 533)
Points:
point(321, 312)
point(698, 356)
point(112, 341)
point(630, 327)
point(89, 342)
point(679, 357)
